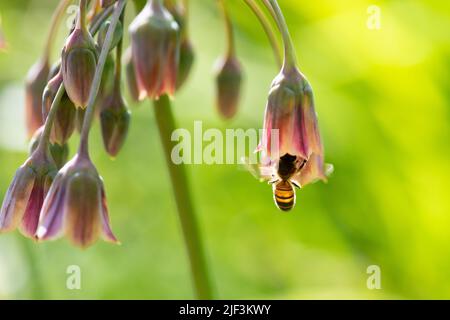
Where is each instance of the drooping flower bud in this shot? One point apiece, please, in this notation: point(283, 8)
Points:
point(290, 112)
point(59, 153)
point(115, 121)
point(187, 57)
point(34, 87)
point(118, 33)
point(25, 196)
point(131, 76)
point(64, 122)
point(79, 60)
point(75, 206)
point(155, 42)
point(228, 84)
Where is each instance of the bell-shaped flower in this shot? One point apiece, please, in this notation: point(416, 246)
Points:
point(291, 127)
point(75, 206)
point(23, 200)
point(155, 43)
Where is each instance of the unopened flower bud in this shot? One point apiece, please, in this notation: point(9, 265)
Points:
point(155, 42)
point(115, 121)
point(79, 60)
point(228, 82)
point(34, 87)
point(76, 206)
point(187, 57)
point(131, 76)
point(64, 122)
point(117, 36)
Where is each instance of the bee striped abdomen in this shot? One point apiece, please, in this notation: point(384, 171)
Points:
point(284, 195)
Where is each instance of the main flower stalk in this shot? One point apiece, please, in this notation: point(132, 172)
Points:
point(183, 198)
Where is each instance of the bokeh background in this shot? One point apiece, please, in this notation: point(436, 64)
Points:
point(383, 103)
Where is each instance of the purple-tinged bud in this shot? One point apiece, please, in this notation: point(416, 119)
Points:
point(290, 112)
point(115, 121)
point(58, 153)
point(34, 87)
point(75, 206)
point(131, 76)
point(23, 201)
point(79, 60)
point(64, 122)
point(118, 33)
point(155, 43)
point(187, 57)
point(228, 83)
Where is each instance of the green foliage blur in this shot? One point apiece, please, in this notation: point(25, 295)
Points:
point(383, 99)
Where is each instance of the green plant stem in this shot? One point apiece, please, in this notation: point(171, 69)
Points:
point(56, 20)
point(90, 109)
point(267, 29)
point(231, 49)
point(37, 287)
point(186, 212)
point(290, 60)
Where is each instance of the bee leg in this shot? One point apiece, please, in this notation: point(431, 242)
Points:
point(303, 164)
point(274, 180)
point(296, 184)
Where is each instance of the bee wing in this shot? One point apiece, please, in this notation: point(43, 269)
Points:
point(262, 173)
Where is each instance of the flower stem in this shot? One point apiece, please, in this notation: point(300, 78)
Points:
point(37, 287)
point(290, 60)
point(186, 212)
point(90, 109)
point(56, 20)
point(231, 49)
point(267, 29)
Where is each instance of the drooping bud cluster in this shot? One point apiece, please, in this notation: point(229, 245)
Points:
point(155, 45)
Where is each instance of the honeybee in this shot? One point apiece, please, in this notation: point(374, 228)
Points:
point(282, 178)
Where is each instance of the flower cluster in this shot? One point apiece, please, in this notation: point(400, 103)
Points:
point(51, 196)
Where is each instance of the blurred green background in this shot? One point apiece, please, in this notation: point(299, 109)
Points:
point(383, 102)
